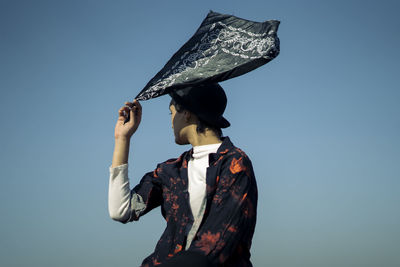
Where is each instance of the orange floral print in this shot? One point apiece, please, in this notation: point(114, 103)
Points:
point(230, 211)
point(207, 241)
point(225, 151)
point(248, 210)
point(232, 229)
point(177, 248)
point(184, 164)
point(237, 165)
point(156, 171)
point(156, 262)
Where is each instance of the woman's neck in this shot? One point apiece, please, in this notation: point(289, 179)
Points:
point(207, 138)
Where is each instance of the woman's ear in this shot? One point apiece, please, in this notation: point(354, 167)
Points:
point(188, 115)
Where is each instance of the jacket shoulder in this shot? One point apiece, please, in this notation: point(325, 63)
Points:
point(174, 162)
point(236, 152)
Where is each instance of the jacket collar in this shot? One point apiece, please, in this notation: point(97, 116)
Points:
point(225, 147)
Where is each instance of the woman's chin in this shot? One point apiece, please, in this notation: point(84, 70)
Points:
point(179, 141)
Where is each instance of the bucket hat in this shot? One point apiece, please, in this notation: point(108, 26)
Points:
point(206, 101)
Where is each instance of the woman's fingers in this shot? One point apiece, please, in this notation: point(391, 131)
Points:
point(133, 104)
point(121, 111)
point(136, 110)
point(137, 104)
point(124, 111)
point(131, 109)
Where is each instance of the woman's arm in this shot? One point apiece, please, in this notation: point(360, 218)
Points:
point(119, 195)
point(124, 131)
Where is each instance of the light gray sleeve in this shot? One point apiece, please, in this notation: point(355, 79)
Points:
point(124, 205)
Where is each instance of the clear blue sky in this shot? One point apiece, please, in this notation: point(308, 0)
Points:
point(320, 122)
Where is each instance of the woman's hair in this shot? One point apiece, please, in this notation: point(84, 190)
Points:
point(201, 125)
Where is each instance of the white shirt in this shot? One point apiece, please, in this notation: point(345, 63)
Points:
point(197, 170)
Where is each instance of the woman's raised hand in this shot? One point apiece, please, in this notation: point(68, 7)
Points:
point(126, 128)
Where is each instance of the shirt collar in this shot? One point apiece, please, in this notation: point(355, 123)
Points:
point(223, 149)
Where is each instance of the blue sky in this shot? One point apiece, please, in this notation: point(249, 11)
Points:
point(320, 122)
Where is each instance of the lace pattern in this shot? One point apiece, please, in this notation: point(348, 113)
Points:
point(225, 46)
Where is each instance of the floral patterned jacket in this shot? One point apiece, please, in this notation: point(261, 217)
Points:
point(228, 224)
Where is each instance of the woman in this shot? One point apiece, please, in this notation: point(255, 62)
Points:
point(208, 196)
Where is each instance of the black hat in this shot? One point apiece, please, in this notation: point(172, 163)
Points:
point(206, 101)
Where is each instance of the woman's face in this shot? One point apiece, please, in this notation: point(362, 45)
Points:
point(178, 122)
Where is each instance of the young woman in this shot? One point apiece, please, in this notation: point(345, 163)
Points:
point(208, 195)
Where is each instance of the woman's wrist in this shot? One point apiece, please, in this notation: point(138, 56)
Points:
point(122, 138)
point(121, 151)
